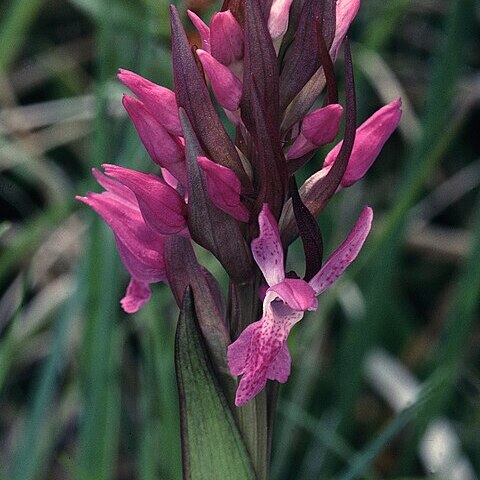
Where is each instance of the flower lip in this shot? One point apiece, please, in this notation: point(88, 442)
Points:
point(295, 293)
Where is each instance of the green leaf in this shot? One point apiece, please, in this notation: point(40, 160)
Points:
point(212, 446)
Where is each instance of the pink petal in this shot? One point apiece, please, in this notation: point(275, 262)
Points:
point(162, 207)
point(369, 141)
point(202, 29)
point(164, 149)
point(278, 18)
point(140, 248)
point(137, 295)
point(224, 189)
point(250, 386)
point(143, 260)
point(259, 353)
point(123, 193)
point(346, 11)
point(300, 147)
point(225, 85)
point(322, 125)
point(267, 248)
point(296, 293)
point(226, 38)
point(237, 353)
point(280, 367)
point(318, 128)
point(344, 255)
point(159, 101)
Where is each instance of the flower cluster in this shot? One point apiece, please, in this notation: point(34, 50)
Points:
point(268, 64)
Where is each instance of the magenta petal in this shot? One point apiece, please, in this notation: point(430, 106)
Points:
point(267, 248)
point(278, 18)
point(322, 125)
point(296, 293)
point(202, 29)
point(159, 101)
point(250, 385)
point(225, 85)
point(343, 255)
point(226, 38)
point(164, 149)
point(162, 207)
point(318, 128)
point(256, 355)
point(300, 147)
point(140, 248)
point(369, 140)
point(280, 368)
point(224, 189)
point(137, 295)
point(144, 259)
point(237, 353)
point(121, 192)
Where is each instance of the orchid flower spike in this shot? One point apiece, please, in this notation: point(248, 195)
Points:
point(261, 351)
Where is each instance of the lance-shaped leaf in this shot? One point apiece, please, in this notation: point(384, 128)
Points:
point(317, 197)
point(327, 65)
point(194, 98)
point(345, 12)
point(309, 233)
point(260, 66)
point(303, 59)
point(270, 164)
point(183, 270)
point(212, 446)
point(209, 226)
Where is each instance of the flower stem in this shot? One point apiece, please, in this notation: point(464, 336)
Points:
point(253, 423)
point(245, 308)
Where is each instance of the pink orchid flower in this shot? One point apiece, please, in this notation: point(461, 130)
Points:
point(226, 87)
point(168, 151)
point(261, 351)
point(140, 248)
point(370, 138)
point(223, 39)
point(160, 101)
point(318, 128)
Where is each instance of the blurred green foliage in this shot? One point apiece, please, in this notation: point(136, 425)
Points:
point(87, 392)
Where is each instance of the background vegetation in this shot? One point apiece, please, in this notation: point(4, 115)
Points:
point(87, 392)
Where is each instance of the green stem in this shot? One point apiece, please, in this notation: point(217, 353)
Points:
point(253, 418)
point(253, 422)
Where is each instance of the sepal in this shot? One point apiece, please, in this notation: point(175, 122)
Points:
point(369, 141)
point(226, 87)
point(159, 101)
point(226, 38)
